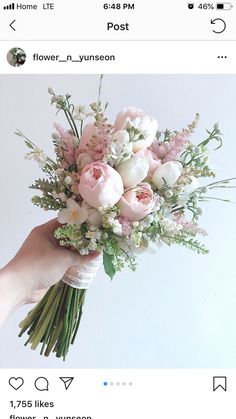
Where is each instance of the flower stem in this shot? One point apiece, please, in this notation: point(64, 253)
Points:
point(55, 320)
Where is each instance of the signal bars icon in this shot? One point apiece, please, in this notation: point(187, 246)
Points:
point(10, 6)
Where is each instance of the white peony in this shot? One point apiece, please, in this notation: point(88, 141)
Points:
point(147, 127)
point(167, 174)
point(94, 216)
point(133, 171)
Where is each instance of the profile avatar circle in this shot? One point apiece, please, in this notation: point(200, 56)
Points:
point(16, 57)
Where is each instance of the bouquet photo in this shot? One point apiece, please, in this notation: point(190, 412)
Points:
point(119, 189)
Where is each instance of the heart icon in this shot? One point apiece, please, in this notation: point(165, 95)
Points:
point(16, 383)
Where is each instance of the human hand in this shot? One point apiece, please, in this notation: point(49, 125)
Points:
point(39, 264)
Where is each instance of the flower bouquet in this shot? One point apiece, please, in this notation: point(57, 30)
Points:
point(119, 189)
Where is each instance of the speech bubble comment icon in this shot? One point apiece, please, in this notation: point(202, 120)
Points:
point(41, 384)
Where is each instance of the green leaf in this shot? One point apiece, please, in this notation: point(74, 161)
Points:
point(108, 265)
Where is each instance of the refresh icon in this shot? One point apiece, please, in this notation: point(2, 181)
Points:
point(219, 22)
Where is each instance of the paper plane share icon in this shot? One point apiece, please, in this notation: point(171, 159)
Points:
point(67, 381)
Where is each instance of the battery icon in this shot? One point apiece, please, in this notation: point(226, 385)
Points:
point(224, 6)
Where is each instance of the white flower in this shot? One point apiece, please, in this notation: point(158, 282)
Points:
point(73, 213)
point(92, 245)
point(188, 190)
point(68, 180)
point(121, 147)
point(169, 225)
point(169, 193)
point(147, 127)
point(37, 155)
point(84, 252)
point(80, 113)
point(94, 216)
point(116, 227)
point(91, 234)
point(167, 174)
point(56, 98)
point(111, 215)
point(133, 171)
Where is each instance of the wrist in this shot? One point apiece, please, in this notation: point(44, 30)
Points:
point(12, 294)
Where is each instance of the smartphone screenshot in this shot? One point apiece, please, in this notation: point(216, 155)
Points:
point(117, 209)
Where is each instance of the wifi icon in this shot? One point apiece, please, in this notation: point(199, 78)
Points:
point(10, 6)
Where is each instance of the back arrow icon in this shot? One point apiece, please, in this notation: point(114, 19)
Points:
point(11, 25)
point(213, 22)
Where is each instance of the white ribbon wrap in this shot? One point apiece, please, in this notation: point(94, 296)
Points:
point(82, 276)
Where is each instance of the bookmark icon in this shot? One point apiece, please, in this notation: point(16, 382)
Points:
point(220, 382)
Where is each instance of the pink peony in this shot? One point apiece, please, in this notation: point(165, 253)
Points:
point(100, 185)
point(151, 159)
point(125, 116)
point(136, 203)
point(160, 149)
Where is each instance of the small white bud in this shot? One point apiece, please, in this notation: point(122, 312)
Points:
point(55, 136)
point(59, 172)
point(68, 180)
point(84, 252)
point(168, 194)
point(50, 91)
point(62, 196)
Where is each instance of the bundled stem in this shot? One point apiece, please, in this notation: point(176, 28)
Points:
point(55, 320)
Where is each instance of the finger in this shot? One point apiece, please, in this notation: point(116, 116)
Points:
point(50, 227)
point(92, 256)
